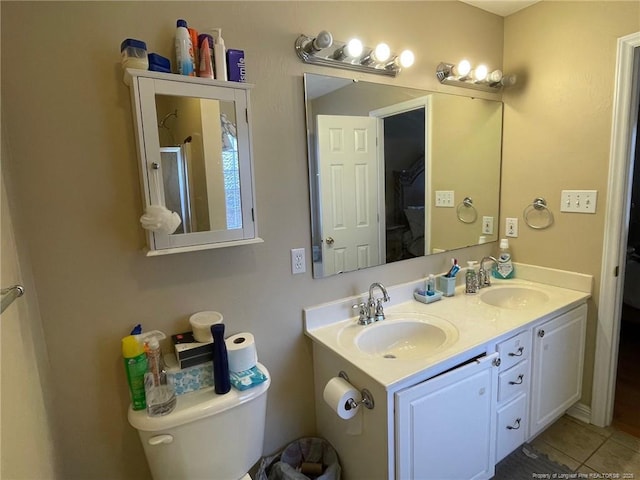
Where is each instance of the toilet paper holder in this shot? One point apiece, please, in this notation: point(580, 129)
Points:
point(367, 397)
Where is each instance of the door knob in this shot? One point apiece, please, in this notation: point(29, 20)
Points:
point(330, 241)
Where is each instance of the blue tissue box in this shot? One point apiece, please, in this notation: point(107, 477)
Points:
point(188, 379)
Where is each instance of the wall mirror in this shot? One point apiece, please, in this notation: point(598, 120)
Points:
point(194, 146)
point(397, 173)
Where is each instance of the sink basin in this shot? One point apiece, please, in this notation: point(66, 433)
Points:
point(406, 338)
point(514, 298)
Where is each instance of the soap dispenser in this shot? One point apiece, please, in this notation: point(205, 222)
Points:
point(159, 392)
point(471, 278)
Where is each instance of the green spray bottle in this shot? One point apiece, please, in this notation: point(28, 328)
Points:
point(136, 365)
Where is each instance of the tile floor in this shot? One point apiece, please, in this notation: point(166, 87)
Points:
point(594, 451)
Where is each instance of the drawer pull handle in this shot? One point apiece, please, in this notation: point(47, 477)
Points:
point(515, 426)
point(518, 353)
point(517, 382)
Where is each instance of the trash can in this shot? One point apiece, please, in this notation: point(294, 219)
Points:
point(305, 459)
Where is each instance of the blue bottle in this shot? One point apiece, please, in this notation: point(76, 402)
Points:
point(221, 378)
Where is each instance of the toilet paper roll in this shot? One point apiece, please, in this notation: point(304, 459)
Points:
point(201, 325)
point(241, 350)
point(337, 393)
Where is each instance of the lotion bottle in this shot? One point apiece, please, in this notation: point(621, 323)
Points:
point(220, 55)
point(206, 65)
point(184, 49)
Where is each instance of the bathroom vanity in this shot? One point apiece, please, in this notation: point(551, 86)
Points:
point(457, 384)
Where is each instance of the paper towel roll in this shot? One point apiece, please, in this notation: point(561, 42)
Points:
point(241, 350)
point(201, 325)
point(337, 393)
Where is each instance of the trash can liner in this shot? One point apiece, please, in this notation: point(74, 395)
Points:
point(285, 465)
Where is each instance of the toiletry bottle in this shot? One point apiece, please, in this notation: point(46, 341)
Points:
point(206, 65)
point(471, 278)
point(135, 364)
point(184, 49)
point(193, 35)
point(160, 395)
point(505, 266)
point(431, 285)
point(221, 377)
point(220, 55)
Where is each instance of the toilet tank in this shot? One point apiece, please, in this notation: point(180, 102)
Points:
point(207, 436)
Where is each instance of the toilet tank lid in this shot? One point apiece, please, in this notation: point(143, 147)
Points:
point(197, 405)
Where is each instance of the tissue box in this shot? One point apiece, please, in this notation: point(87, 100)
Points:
point(188, 379)
point(189, 352)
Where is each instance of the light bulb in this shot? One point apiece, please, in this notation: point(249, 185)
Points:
point(406, 58)
point(354, 48)
point(480, 73)
point(323, 40)
point(463, 68)
point(495, 76)
point(381, 53)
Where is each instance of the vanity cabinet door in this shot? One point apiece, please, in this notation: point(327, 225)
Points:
point(558, 358)
point(445, 426)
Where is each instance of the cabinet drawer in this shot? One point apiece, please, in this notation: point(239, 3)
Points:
point(514, 349)
point(513, 381)
point(512, 421)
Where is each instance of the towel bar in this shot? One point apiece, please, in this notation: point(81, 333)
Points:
point(9, 294)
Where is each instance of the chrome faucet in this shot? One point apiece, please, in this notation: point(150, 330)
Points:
point(484, 275)
point(372, 311)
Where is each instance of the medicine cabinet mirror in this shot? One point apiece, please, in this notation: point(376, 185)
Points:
point(194, 145)
point(398, 173)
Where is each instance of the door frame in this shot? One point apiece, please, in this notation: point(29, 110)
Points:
point(397, 109)
point(625, 103)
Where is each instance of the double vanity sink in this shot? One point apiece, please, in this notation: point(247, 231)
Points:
point(409, 362)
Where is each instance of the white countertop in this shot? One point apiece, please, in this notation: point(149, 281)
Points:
point(478, 324)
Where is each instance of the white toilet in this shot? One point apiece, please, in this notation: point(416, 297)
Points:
point(207, 436)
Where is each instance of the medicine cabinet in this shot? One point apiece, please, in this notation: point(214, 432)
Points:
point(195, 158)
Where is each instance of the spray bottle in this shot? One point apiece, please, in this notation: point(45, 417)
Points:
point(136, 366)
point(159, 392)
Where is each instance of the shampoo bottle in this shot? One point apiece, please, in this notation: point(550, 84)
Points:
point(205, 67)
point(220, 55)
point(159, 393)
point(135, 364)
point(221, 376)
point(184, 49)
point(505, 266)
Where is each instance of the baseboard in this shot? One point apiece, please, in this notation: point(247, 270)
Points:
point(581, 412)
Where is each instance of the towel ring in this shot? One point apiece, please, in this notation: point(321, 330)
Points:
point(467, 203)
point(539, 204)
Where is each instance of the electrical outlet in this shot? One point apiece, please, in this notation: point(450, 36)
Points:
point(444, 198)
point(487, 225)
point(578, 201)
point(512, 227)
point(298, 263)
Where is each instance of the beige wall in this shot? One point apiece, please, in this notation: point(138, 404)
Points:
point(557, 130)
point(76, 197)
point(74, 177)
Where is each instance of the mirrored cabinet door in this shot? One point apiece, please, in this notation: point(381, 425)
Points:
point(194, 145)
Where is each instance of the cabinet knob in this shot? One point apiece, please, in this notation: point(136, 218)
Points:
point(541, 333)
point(497, 362)
point(515, 426)
point(155, 166)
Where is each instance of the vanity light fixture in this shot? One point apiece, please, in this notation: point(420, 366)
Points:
point(478, 78)
point(351, 55)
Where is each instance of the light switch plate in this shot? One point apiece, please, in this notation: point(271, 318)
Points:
point(578, 201)
point(444, 198)
point(512, 227)
point(487, 225)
